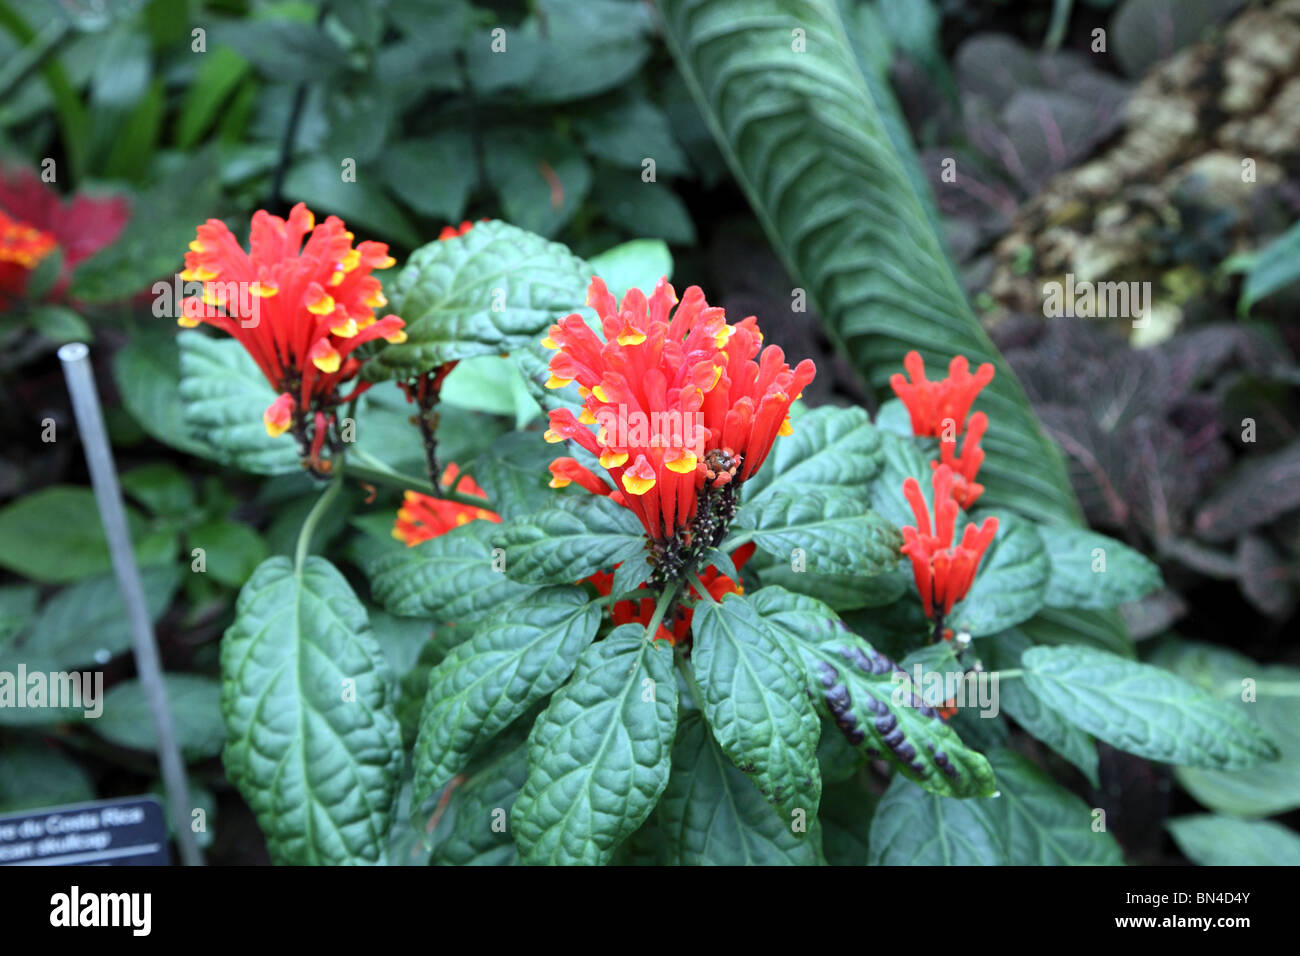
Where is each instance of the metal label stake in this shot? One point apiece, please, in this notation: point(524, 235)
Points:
point(108, 495)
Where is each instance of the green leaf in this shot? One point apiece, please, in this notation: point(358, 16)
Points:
point(1213, 840)
point(638, 264)
point(33, 776)
point(837, 532)
point(312, 741)
point(58, 323)
point(711, 814)
point(1093, 571)
point(755, 703)
point(513, 472)
point(913, 827)
point(628, 130)
point(1010, 582)
point(225, 395)
point(831, 450)
point(231, 550)
point(218, 75)
point(541, 178)
point(648, 208)
point(598, 757)
point(1275, 267)
point(147, 373)
point(431, 175)
point(86, 623)
point(483, 293)
point(874, 702)
point(1270, 696)
point(490, 383)
point(193, 701)
point(470, 832)
point(515, 658)
point(17, 608)
point(1004, 652)
point(161, 488)
point(1143, 709)
point(1042, 823)
point(847, 809)
point(54, 536)
point(809, 145)
point(454, 577)
point(1103, 629)
point(575, 538)
point(900, 459)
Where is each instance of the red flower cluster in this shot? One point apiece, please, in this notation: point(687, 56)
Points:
point(641, 611)
point(34, 219)
point(677, 396)
point(300, 309)
point(939, 409)
point(943, 571)
point(422, 517)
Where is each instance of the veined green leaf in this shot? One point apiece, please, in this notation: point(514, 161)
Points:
point(1010, 582)
point(755, 703)
point(312, 741)
point(830, 450)
point(483, 293)
point(1143, 709)
point(807, 142)
point(453, 578)
point(913, 827)
point(711, 814)
point(1213, 840)
point(873, 702)
point(837, 533)
point(516, 658)
point(566, 543)
point(598, 757)
point(1093, 571)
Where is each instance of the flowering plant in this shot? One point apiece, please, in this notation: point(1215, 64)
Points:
point(704, 600)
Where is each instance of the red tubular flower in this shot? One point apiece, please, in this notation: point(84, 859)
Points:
point(641, 610)
point(943, 571)
point(677, 395)
point(931, 404)
point(300, 309)
point(34, 219)
point(965, 489)
point(422, 517)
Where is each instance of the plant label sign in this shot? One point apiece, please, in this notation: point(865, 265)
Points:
point(125, 832)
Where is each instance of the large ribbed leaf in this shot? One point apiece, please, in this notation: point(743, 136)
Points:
point(312, 742)
point(484, 293)
point(806, 140)
point(836, 532)
point(711, 814)
point(831, 449)
point(517, 657)
point(599, 756)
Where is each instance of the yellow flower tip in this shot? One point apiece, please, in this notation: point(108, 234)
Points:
point(212, 296)
point(556, 382)
point(630, 336)
point(799, 396)
point(549, 343)
point(600, 393)
point(327, 362)
point(683, 464)
point(786, 428)
point(345, 330)
point(386, 263)
point(196, 245)
point(558, 482)
point(717, 377)
point(322, 306)
point(263, 290)
point(399, 534)
point(461, 519)
point(723, 336)
point(585, 416)
point(396, 338)
point(337, 278)
point(310, 219)
point(612, 459)
point(276, 429)
point(583, 391)
point(552, 436)
point(377, 301)
point(636, 486)
point(185, 322)
point(351, 259)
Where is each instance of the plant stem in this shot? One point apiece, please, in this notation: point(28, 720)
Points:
point(699, 586)
point(368, 468)
point(313, 517)
point(666, 599)
point(1010, 673)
